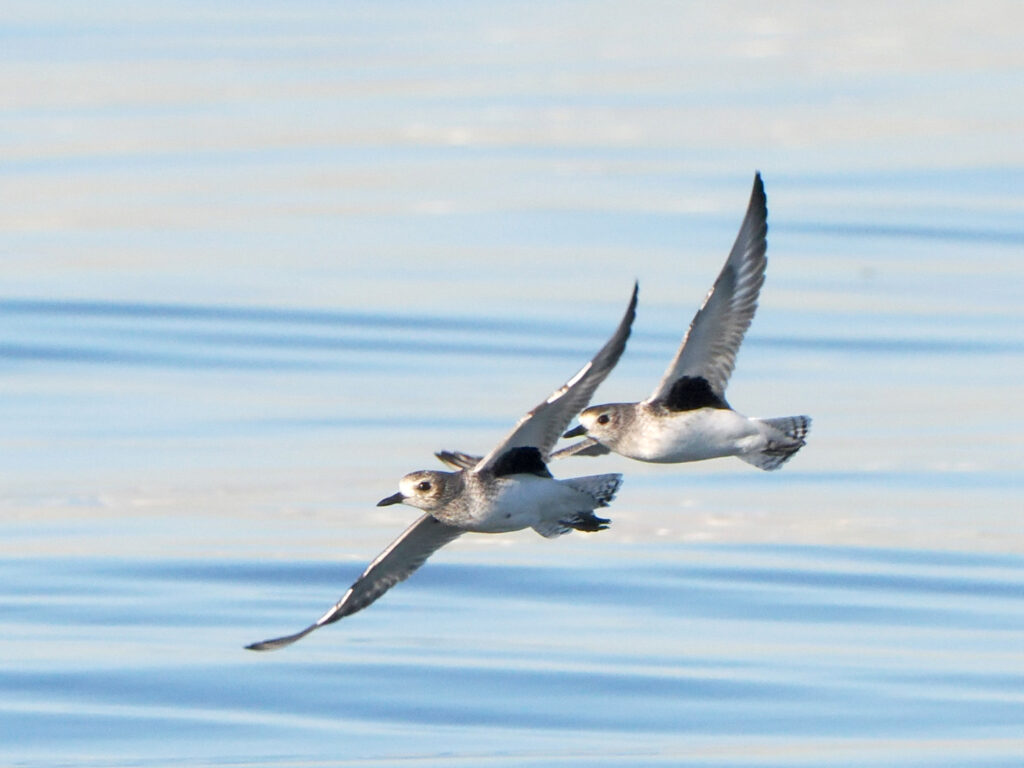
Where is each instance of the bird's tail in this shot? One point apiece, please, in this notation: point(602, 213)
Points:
point(785, 437)
point(601, 488)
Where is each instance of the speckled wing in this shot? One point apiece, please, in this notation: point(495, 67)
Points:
point(714, 337)
point(543, 426)
point(396, 563)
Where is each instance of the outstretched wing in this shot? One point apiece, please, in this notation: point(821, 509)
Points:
point(543, 426)
point(588, 446)
point(457, 459)
point(396, 563)
point(710, 345)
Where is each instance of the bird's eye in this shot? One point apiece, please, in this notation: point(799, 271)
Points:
point(604, 418)
point(423, 485)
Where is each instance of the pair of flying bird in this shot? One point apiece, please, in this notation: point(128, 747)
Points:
point(686, 418)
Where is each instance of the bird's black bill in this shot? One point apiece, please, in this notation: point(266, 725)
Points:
point(578, 431)
point(396, 498)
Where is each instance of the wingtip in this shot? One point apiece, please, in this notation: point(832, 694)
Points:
point(630, 315)
point(265, 645)
point(757, 193)
point(280, 642)
point(757, 208)
point(277, 642)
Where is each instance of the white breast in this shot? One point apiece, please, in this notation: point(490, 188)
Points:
point(522, 501)
point(705, 433)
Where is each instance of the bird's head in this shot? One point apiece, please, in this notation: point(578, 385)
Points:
point(426, 489)
point(601, 422)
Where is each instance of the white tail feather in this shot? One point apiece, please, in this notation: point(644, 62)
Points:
point(601, 487)
point(785, 437)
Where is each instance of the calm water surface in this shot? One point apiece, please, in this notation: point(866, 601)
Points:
point(259, 262)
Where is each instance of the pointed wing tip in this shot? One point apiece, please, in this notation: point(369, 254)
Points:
point(757, 192)
point(626, 324)
point(755, 222)
point(264, 645)
point(586, 447)
point(273, 645)
point(568, 399)
point(280, 642)
point(616, 345)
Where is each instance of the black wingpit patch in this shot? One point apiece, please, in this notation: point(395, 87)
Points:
point(692, 392)
point(525, 460)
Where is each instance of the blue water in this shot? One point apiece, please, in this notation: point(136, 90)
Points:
point(696, 655)
point(260, 261)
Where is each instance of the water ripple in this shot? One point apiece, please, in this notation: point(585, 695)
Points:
point(210, 336)
point(721, 642)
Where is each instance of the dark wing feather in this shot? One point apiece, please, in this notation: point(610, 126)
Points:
point(586, 447)
point(714, 337)
point(396, 563)
point(458, 459)
point(543, 426)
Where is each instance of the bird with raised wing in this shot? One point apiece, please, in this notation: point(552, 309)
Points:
point(687, 418)
point(509, 489)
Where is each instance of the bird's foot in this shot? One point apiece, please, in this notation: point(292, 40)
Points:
point(586, 521)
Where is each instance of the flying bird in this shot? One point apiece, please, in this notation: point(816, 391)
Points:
point(509, 489)
point(687, 417)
